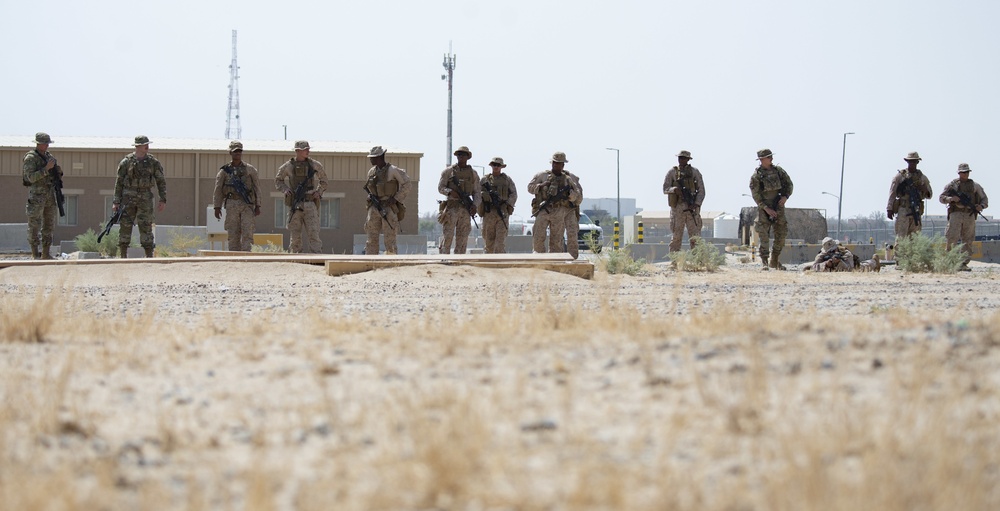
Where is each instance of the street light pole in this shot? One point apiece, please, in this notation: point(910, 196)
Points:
point(843, 154)
point(838, 214)
point(618, 180)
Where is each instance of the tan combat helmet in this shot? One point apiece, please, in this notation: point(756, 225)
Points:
point(463, 149)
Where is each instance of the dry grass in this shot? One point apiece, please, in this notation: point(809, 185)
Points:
point(544, 409)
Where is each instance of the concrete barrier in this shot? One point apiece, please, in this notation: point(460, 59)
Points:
point(14, 238)
point(405, 243)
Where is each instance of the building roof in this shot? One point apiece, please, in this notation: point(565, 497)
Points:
point(664, 214)
point(163, 144)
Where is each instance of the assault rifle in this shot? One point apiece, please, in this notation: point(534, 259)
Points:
point(57, 185)
point(688, 196)
point(966, 200)
point(495, 201)
point(913, 197)
point(237, 184)
point(561, 194)
point(299, 194)
point(378, 205)
point(115, 218)
point(466, 199)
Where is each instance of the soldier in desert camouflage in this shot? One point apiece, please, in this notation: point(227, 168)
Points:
point(241, 212)
point(770, 187)
point(907, 192)
point(966, 199)
point(494, 227)
point(833, 257)
point(685, 191)
point(389, 185)
point(459, 183)
point(40, 170)
point(556, 208)
point(305, 175)
point(137, 174)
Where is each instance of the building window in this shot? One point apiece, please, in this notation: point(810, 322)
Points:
point(280, 213)
point(71, 211)
point(329, 213)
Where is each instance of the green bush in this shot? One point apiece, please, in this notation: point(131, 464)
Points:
point(87, 242)
point(621, 262)
point(179, 244)
point(703, 257)
point(270, 248)
point(917, 253)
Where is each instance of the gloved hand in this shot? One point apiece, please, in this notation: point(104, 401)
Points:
point(218, 213)
point(889, 213)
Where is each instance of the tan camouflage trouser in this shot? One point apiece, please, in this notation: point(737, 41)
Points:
point(304, 224)
point(558, 221)
point(905, 223)
point(41, 210)
point(137, 212)
point(494, 234)
point(240, 224)
point(961, 229)
point(457, 226)
point(764, 225)
point(681, 218)
point(375, 225)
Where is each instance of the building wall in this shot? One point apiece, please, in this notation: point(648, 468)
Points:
point(89, 175)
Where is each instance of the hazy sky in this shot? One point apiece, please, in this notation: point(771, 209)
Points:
point(719, 78)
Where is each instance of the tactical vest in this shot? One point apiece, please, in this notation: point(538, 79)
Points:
point(299, 173)
point(770, 182)
point(501, 185)
point(560, 181)
point(381, 185)
point(237, 173)
point(39, 160)
point(968, 188)
point(465, 177)
point(139, 175)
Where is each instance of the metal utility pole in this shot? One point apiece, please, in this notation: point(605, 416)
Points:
point(618, 180)
point(843, 155)
point(449, 64)
point(233, 112)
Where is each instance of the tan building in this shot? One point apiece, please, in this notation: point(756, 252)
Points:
point(90, 166)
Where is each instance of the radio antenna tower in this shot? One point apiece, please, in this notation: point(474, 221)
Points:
point(449, 64)
point(233, 112)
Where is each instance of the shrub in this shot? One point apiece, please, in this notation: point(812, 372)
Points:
point(87, 242)
point(917, 253)
point(621, 262)
point(180, 244)
point(270, 248)
point(703, 257)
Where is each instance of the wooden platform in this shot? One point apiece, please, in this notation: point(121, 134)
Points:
point(337, 264)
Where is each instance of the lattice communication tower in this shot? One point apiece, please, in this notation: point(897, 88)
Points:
point(233, 112)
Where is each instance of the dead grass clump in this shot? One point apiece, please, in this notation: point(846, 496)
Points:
point(703, 257)
point(30, 321)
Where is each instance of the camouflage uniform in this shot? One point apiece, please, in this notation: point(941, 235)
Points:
point(767, 187)
point(833, 257)
point(385, 182)
point(455, 218)
point(961, 218)
point(241, 219)
point(561, 216)
point(41, 206)
point(899, 202)
point(682, 213)
point(304, 220)
point(134, 192)
point(494, 228)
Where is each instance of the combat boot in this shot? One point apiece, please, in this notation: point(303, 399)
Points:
point(34, 252)
point(123, 251)
point(764, 265)
point(775, 263)
point(149, 251)
point(45, 252)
